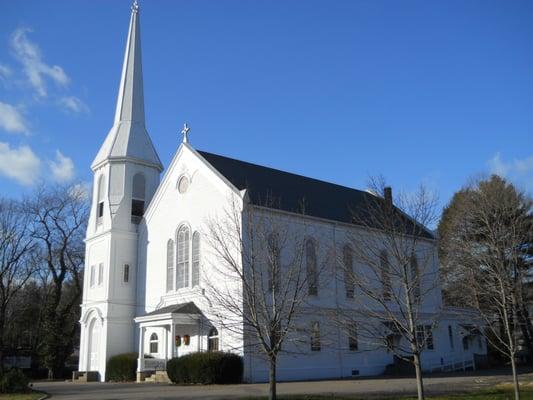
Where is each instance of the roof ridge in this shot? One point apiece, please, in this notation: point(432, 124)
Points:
point(282, 171)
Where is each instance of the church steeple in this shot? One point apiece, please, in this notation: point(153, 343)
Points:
point(128, 138)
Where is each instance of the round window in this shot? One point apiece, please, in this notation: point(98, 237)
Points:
point(183, 184)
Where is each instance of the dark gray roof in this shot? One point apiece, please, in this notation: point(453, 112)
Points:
point(269, 187)
point(184, 308)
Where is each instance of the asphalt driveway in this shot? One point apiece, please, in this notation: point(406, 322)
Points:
point(371, 387)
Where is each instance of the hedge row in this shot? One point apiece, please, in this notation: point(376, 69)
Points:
point(206, 368)
point(122, 367)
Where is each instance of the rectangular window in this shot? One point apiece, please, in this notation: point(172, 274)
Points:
point(352, 338)
point(92, 275)
point(429, 337)
point(424, 336)
point(126, 275)
point(137, 210)
point(100, 274)
point(450, 336)
point(465, 343)
point(100, 212)
point(349, 284)
point(385, 276)
point(315, 336)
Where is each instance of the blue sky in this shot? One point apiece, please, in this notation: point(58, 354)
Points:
point(431, 92)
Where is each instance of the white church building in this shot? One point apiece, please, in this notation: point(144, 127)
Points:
point(147, 255)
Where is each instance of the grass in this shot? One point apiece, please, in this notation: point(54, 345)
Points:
point(487, 394)
point(22, 396)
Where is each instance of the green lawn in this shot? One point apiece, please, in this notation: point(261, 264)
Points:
point(491, 394)
point(22, 396)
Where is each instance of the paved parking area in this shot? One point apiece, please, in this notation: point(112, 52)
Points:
point(366, 388)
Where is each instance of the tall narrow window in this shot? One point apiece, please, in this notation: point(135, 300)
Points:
point(195, 278)
point(450, 337)
point(353, 345)
point(274, 266)
point(310, 258)
point(126, 273)
point(100, 274)
point(100, 200)
point(424, 336)
point(137, 198)
point(347, 258)
point(415, 278)
point(170, 265)
point(385, 276)
point(93, 275)
point(212, 340)
point(315, 336)
point(154, 343)
point(182, 264)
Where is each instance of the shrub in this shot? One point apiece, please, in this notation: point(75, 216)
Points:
point(206, 368)
point(14, 381)
point(122, 367)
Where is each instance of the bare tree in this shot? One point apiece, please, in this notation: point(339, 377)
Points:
point(389, 271)
point(488, 244)
point(261, 279)
point(16, 266)
point(58, 222)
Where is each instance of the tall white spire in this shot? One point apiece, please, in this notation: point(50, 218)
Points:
point(128, 137)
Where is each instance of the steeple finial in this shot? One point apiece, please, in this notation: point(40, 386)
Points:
point(135, 6)
point(185, 132)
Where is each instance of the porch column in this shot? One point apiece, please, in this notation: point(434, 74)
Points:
point(140, 364)
point(165, 342)
point(172, 339)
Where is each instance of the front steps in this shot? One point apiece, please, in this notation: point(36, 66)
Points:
point(85, 376)
point(153, 377)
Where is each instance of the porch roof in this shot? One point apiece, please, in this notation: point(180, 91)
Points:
point(183, 308)
point(186, 313)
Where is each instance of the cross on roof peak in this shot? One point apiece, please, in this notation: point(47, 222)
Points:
point(185, 132)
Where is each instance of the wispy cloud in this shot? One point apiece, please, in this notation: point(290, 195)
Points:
point(36, 70)
point(73, 104)
point(62, 168)
point(517, 170)
point(20, 164)
point(11, 119)
point(5, 72)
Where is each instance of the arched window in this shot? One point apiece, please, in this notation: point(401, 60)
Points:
point(212, 340)
point(100, 200)
point(310, 261)
point(315, 336)
point(154, 343)
point(347, 258)
point(415, 277)
point(195, 259)
point(138, 194)
point(386, 283)
point(170, 265)
point(182, 262)
point(274, 262)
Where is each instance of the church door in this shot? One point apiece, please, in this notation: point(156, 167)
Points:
point(94, 344)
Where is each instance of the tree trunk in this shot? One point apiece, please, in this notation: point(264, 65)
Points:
point(419, 382)
point(515, 379)
point(272, 379)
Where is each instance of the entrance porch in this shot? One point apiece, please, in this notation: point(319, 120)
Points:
point(166, 333)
